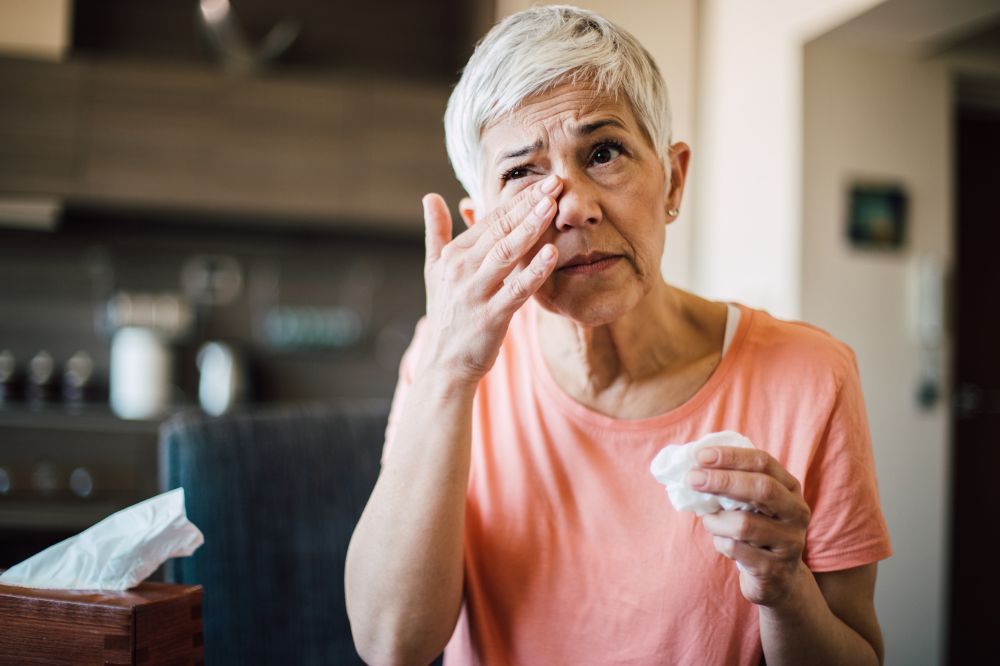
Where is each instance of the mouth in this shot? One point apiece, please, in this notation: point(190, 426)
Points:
point(583, 264)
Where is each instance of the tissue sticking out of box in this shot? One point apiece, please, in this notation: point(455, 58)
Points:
point(672, 464)
point(117, 553)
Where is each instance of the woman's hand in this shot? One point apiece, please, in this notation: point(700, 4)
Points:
point(471, 294)
point(404, 576)
point(768, 544)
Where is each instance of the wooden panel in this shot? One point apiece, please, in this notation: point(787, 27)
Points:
point(406, 151)
point(290, 146)
point(39, 126)
point(170, 631)
point(152, 134)
point(337, 151)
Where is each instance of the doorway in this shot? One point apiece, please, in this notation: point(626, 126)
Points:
point(975, 587)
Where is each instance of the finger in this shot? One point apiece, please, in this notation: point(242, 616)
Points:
point(724, 545)
point(437, 226)
point(754, 529)
point(758, 561)
point(751, 559)
point(748, 460)
point(511, 249)
point(505, 218)
point(761, 490)
point(517, 290)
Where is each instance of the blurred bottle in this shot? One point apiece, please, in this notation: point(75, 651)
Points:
point(222, 379)
point(140, 373)
point(145, 326)
point(78, 374)
point(42, 378)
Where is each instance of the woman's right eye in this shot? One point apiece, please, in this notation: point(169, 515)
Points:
point(514, 174)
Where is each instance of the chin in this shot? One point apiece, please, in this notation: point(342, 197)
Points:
point(589, 310)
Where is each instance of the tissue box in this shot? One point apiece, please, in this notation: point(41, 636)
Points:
point(154, 623)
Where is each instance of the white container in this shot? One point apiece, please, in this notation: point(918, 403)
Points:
point(140, 373)
point(221, 384)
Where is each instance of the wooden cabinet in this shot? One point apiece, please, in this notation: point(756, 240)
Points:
point(151, 136)
point(40, 127)
point(189, 138)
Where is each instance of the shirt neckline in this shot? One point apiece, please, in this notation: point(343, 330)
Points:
point(546, 384)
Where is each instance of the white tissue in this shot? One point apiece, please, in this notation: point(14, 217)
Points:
point(672, 464)
point(117, 553)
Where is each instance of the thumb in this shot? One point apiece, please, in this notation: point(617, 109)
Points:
point(437, 225)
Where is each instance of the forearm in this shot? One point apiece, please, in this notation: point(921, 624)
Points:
point(403, 577)
point(802, 629)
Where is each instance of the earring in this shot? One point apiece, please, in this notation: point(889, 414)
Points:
point(674, 212)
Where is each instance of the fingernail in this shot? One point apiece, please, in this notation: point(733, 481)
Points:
point(696, 477)
point(543, 206)
point(549, 184)
point(548, 252)
point(708, 456)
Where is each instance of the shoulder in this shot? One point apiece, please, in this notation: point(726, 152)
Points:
point(798, 349)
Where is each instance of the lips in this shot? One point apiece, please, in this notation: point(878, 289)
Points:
point(585, 259)
point(588, 264)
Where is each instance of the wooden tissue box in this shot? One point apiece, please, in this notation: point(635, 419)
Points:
point(154, 623)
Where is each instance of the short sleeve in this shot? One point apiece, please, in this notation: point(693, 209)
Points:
point(847, 528)
point(407, 368)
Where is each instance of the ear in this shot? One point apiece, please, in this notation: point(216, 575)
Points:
point(468, 211)
point(678, 159)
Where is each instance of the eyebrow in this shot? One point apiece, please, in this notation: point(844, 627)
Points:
point(590, 128)
point(520, 152)
point(579, 130)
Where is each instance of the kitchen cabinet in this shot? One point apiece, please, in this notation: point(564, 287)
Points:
point(341, 151)
point(40, 118)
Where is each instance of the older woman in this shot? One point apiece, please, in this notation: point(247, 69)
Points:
point(515, 519)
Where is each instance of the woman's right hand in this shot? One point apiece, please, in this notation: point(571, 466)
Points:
point(471, 292)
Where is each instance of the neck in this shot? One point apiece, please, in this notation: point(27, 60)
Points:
point(663, 334)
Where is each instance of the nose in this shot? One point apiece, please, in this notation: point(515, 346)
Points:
point(578, 204)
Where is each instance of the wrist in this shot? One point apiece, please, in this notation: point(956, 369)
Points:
point(447, 369)
point(438, 381)
point(800, 593)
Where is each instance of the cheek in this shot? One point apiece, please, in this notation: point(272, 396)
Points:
point(644, 234)
point(650, 242)
point(547, 237)
point(501, 196)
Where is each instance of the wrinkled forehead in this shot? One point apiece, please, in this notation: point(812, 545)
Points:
point(569, 108)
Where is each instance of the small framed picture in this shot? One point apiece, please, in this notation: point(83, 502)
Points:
point(877, 216)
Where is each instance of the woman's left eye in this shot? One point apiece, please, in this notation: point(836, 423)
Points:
point(606, 152)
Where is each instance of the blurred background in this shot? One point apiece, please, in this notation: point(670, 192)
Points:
point(215, 204)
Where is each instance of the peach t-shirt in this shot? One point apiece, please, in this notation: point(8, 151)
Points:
point(573, 553)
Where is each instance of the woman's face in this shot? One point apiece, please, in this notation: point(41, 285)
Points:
point(609, 227)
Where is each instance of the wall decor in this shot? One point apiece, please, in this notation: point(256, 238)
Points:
point(877, 216)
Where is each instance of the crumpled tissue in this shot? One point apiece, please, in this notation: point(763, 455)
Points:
point(672, 464)
point(117, 553)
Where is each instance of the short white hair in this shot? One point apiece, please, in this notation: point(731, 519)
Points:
point(533, 51)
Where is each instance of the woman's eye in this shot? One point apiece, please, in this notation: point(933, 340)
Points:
point(606, 153)
point(514, 174)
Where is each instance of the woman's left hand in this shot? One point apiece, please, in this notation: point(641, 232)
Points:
point(767, 544)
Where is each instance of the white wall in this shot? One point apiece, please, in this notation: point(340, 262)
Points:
point(668, 29)
point(885, 116)
point(747, 241)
